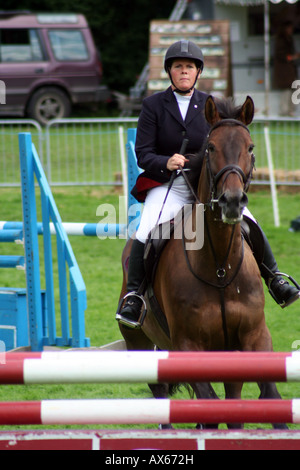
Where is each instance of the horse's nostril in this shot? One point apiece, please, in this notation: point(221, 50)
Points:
point(244, 200)
point(222, 201)
point(239, 199)
point(232, 205)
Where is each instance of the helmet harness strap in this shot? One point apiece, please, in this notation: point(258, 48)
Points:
point(183, 92)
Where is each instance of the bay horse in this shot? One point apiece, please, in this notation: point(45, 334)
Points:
point(212, 297)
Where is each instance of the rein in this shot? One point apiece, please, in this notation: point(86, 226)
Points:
point(221, 273)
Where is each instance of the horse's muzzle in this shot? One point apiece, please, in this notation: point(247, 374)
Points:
point(232, 205)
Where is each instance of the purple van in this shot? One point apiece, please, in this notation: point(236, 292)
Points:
point(48, 62)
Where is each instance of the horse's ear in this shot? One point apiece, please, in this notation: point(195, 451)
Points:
point(211, 113)
point(247, 112)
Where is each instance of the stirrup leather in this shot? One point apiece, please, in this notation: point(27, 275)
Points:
point(126, 321)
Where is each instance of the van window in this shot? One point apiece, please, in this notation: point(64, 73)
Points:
point(20, 45)
point(68, 45)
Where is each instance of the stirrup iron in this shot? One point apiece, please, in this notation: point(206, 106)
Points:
point(126, 321)
point(278, 273)
point(292, 298)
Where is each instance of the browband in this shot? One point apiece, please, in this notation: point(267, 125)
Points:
point(224, 122)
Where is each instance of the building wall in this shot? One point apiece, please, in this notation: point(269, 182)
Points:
point(247, 59)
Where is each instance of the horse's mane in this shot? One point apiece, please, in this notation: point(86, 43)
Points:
point(227, 108)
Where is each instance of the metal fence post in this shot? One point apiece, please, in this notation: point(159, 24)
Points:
point(34, 304)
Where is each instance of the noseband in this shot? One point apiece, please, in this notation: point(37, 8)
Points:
point(229, 169)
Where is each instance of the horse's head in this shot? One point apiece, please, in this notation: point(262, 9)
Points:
point(229, 156)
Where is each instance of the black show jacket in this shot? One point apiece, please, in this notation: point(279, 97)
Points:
point(160, 134)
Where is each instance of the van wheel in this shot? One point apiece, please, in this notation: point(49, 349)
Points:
point(48, 103)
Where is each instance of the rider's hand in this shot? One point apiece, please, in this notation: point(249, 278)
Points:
point(176, 161)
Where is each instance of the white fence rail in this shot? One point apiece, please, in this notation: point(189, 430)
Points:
point(284, 142)
point(86, 151)
point(9, 148)
point(91, 151)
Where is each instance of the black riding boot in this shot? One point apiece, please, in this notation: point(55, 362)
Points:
point(132, 312)
point(279, 288)
point(281, 291)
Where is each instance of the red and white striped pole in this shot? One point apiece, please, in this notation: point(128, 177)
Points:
point(145, 366)
point(148, 411)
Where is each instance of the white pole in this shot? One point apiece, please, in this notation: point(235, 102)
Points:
point(272, 178)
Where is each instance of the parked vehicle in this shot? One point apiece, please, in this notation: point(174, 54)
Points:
point(48, 63)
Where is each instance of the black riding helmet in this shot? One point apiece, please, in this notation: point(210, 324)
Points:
point(184, 50)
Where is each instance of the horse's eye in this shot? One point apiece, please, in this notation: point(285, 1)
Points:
point(211, 147)
point(251, 148)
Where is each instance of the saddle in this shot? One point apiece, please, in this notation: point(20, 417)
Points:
point(160, 236)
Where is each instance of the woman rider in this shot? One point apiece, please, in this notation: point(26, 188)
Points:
point(166, 119)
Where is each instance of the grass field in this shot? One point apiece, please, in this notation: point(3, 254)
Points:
point(99, 261)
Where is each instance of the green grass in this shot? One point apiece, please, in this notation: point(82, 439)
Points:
point(99, 261)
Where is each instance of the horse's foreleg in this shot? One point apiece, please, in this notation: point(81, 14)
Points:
point(204, 390)
point(268, 391)
point(159, 390)
point(136, 340)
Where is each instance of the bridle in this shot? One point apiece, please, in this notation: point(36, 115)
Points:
point(221, 275)
point(228, 169)
point(222, 281)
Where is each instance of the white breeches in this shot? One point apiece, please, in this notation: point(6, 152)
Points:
point(178, 196)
